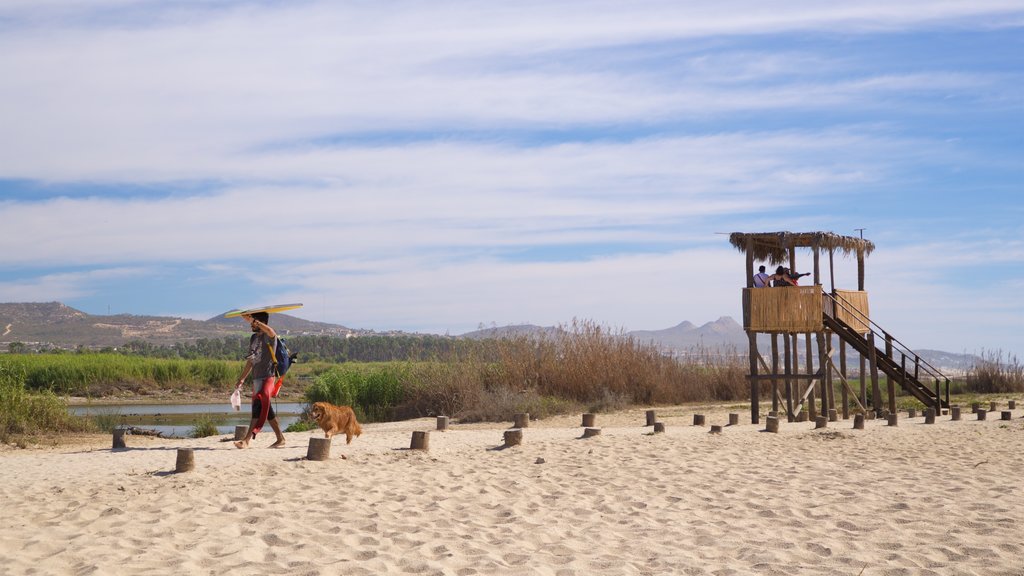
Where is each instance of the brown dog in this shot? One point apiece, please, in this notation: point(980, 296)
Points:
point(336, 419)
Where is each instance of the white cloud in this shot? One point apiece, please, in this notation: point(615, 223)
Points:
point(63, 286)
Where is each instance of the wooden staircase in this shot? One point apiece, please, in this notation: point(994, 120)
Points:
point(908, 377)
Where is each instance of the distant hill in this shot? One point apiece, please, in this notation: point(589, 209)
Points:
point(52, 324)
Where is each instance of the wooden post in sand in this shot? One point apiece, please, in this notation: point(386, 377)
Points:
point(240, 432)
point(981, 414)
point(974, 407)
point(1012, 404)
point(319, 449)
point(911, 412)
point(858, 421)
point(588, 421)
point(954, 412)
point(591, 432)
point(772, 424)
point(651, 418)
point(698, 419)
point(993, 406)
point(186, 460)
point(893, 419)
point(734, 419)
point(420, 440)
point(1005, 415)
point(929, 415)
point(820, 422)
point(119, 439)
point(521, 420)
point(513, 437)
point(442, 423)
point(659, 427)
point(833, 415)
point(716, 429)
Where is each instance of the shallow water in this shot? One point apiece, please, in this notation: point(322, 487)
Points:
point(179, 419)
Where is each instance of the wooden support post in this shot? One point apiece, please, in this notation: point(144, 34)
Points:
point(817, 267)
point(651, 418)
point(442, 423)
point(858, 421)
point(588, 421)
point(513, 437)
point(186, 460)
point(809, 359)
point(240, 432)
point(893, 419)
point(521, 420)
point(775, 372)
point(843, 397)
point(319, 449)
point(790, 416)
point(754, 385)
point(119, 439)
point(1012, 404)
point(929, 415)
point(981, 414)
point(863, 377)
point(1005, 415)
point(876, 392)
point(832, 269)
point(911, 412)
point(659, 427)
point(954, 412)
point(591, 432)
point(975, 406)
point(734, 419)
point(938, 397)
point(698, 419)
point(772, 424)
point(716, 429)
point(833, 416)
point(860, 269)
point(828, 368)
point(420, 440)
point(801, 416)
point(820, 422)
point(993, 406)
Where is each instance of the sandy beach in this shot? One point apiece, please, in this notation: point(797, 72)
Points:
point(914, 499)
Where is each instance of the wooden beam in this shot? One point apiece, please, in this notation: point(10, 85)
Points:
point(754, 396)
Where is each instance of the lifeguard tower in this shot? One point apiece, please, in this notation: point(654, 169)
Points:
point(820, 316)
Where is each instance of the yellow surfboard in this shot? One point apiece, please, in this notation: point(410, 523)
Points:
point(267, 309)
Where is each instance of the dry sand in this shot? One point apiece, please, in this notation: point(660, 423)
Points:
point(915, 499)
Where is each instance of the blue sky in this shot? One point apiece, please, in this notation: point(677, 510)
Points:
point(431, 166)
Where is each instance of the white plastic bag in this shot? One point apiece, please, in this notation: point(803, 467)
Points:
point(236, 399)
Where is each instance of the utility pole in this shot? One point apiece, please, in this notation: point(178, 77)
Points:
point(861, 230)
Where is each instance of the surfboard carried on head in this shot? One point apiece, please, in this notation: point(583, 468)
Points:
point(268, 309)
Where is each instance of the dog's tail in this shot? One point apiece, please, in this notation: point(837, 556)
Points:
point(357, 429)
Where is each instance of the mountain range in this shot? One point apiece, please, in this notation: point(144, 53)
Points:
point(53, 324)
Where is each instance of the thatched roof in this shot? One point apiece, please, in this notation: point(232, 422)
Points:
point(773, 247)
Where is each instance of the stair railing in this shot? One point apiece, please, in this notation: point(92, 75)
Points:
point(891, 343)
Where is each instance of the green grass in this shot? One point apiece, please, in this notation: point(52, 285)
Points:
point(101, 374)
point(23, 412)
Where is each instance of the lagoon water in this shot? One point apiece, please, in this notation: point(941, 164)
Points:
point(179, 419)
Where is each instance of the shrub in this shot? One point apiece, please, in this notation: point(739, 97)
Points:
point(995, 372)
point(204, 427)
point(22, 412)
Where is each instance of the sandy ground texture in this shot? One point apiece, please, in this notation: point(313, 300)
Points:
point(946, 498)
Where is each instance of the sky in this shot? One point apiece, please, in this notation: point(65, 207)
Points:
point(445, 165)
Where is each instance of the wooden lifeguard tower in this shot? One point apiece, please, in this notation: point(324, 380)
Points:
point(785, 313)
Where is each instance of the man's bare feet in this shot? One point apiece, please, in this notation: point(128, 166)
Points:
point(241, 444)
point(278, 444)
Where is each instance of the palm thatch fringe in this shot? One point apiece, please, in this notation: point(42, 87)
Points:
point(773, 247)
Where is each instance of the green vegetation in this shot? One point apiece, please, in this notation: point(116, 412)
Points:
point(23, 412)
point(204, 427)
point(104, 373)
